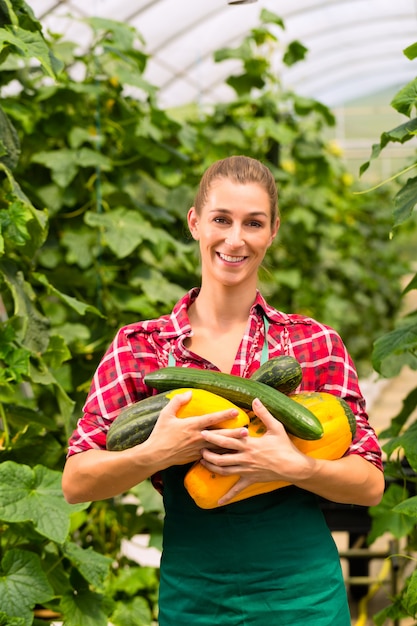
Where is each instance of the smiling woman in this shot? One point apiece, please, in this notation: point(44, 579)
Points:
point(226, 325)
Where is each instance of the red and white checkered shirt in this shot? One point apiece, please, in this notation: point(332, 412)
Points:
point(143, 347)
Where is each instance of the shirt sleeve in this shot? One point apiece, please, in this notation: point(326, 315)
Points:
point(117, 382)
point(327, 366)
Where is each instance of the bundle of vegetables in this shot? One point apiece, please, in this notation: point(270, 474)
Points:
point(296, 418)
point(320, 424)
point(136, 421)
point(339, 426)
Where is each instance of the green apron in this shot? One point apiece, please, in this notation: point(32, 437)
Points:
point(269, 560)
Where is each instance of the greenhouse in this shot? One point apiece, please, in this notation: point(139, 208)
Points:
point(116, 263)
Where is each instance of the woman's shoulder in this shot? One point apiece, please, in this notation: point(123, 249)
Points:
point(293, 320)
point(168, 325)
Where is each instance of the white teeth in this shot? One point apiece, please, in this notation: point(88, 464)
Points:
point(231, 259)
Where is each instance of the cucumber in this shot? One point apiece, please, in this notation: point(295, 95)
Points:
point(281, 372)
point(297, 419)
point(135, 422)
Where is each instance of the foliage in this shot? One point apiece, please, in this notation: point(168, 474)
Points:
point(397, 513)
point(317, 266)
point(95, 181)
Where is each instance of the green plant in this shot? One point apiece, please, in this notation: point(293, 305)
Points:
point(316, 266)
point(397, 513)
point(94, 189)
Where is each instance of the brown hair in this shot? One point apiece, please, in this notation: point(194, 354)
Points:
point(243, 170)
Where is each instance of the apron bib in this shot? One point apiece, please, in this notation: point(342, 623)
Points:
point(269, 560)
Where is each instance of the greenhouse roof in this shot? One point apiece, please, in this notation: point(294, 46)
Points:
point(355, 47)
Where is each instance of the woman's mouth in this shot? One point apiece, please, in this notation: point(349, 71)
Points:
point(231, 259)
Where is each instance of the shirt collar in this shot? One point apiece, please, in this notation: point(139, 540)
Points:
point(178, 322)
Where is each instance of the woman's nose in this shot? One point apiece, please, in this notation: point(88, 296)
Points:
point(234, 239)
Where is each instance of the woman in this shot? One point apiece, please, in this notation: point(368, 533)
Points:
point(269, 559)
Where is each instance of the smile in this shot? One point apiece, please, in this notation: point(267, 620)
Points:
point(231, 259)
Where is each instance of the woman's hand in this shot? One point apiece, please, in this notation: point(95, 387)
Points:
point(351, 479)
point(180, 440)
point(99, 474)
point(256, 459)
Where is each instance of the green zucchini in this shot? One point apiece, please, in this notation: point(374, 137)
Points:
point(281, 372)
point(135, 422)
point(297, 419)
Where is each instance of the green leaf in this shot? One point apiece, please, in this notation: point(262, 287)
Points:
point(156, 287)
point(411, 285)
point(23, 584)
point(410, 595)
point(405, 100)
point(411, 51)
point(64, 164)
point(408, 507)
point(399, 342)
point(409, 404)
point(10, 141)
point(57, 352)
point(133, 613)
point(405, 201)
point(135, 579)
point(230, 135)
point(149, 497)
point(241, 52)
point(400, 134)
point(245, 83)
point(36, 221)
point(123, 229)
point(5, 620)
point(127, 74)
point(30, 45)
point(386, 519)
point(34, 327)
point(407, 442)
point(14, 223)
point(35, 495)
point(7, 14)
point(79, 307)
point(85, 607)
point(123, 35)
point(268, 17)
point(295, 52)
point(94, 567)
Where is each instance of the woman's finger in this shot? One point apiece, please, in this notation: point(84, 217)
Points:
point(267, 418)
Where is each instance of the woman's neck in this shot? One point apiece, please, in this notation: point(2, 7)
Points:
point(221, 308)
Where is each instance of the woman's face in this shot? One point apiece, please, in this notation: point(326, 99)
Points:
point(233, 230)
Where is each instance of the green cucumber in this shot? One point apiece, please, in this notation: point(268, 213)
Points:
point(281, 372)
point(296, 418)
point(135, 422)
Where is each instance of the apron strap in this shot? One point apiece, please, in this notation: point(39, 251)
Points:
point(265, 355)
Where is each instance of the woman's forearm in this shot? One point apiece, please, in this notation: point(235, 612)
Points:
point(101, 474)
point(350, 480)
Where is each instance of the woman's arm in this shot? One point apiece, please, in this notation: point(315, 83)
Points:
point(98, 474)
point(351, 479)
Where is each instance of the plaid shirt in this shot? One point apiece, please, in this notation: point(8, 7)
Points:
point(143, 347)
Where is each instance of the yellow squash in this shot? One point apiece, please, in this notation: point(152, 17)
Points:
point(339, 424)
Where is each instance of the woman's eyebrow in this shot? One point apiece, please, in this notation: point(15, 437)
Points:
point(228, 211)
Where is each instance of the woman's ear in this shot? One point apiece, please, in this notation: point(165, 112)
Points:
point(275, 230)
point(192, 219)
